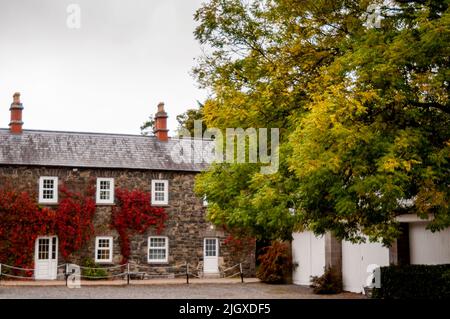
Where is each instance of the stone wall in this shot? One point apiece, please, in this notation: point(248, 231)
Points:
point(186, 226)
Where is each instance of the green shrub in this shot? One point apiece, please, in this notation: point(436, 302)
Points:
point(414, 282)
point(329, 283)
point(275, 263)
point(91, 272)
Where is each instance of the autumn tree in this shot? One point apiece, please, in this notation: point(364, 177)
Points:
point(363, 112)
point(186, 120)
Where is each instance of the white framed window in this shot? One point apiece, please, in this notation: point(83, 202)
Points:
point(160, 192)
point(48, 190)
point(158, 249)
point(103, 249)
point(205, 201)
point(105, 191)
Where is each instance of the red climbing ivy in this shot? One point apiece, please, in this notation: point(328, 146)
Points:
point(74, 221)
point(238, 241)
point(240, 245)
point(134, 213)
point(22, 220)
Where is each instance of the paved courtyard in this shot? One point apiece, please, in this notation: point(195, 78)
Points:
point(181, 291)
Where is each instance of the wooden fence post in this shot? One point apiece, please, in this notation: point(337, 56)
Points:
point(187, 273)
point(128, 273)
point(242, 274)
point(66, 274)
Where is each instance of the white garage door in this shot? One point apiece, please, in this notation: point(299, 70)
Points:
point(356, 258)
point(427, 247)
point(308, 251)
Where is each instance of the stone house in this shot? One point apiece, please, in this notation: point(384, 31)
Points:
point(39, 162)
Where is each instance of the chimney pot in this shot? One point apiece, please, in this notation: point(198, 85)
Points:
point(15, 126)
point(160, 107)
point(16, 98)
point(161, 131)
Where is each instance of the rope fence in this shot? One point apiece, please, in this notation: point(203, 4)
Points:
point(9, 271)
point(125, 271)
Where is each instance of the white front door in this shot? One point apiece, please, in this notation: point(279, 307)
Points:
point(211, 256)
point(308, 252)
point(46, 258)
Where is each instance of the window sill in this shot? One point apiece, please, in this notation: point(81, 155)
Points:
point(101, 262)
point(48, 203)
point(158, 263)
point(105, 204)
point(160, 205)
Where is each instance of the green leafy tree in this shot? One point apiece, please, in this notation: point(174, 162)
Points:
point(375, 142)
point(363, 113)
point(148, 126)
point(186, 120)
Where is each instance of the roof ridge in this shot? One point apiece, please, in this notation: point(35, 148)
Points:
point(80, 133)
point(102, 134)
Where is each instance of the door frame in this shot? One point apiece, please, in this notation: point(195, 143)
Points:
point(51, 260)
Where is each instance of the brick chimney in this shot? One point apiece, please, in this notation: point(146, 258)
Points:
point(161, 131)
point(15, 126)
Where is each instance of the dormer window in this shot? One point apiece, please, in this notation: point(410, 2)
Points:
point(160, 192)
point(48, 190)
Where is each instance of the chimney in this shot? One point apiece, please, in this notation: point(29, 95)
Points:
point(15, 126)
point(161, 131)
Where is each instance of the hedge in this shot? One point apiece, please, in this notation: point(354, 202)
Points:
point(414, 282)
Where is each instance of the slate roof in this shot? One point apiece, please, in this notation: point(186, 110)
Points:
point(95, 150)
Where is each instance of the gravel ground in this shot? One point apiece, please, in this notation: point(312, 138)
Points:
point(178, 291)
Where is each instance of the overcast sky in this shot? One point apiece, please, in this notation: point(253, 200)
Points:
point(106, 76)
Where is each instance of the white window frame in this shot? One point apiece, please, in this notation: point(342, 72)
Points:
point(111, 191)
point(158, 261)
point(53, 200)
point(110, 239)
point(166, 192)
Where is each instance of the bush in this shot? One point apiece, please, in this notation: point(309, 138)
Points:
point(91, 272)
point(414, 282)
point(275, 263)
point(329, 283)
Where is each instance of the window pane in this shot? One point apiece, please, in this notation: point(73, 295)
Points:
point(157, 248)
point(48, 189)
point(159, 196)
point(157, 254)
point(103, 243)
point(104, 195)
point(104, 185)
point(157, 242)
point(47, 194)
point(103, 254)
point(104, 190)
point(104, 249)
point(54, 248)
point(48, 183)
point(210, 247)
point(43, 248)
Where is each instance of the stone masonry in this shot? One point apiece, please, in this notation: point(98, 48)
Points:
point(185, 228)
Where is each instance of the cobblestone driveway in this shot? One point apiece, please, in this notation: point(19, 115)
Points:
point(194, 291)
